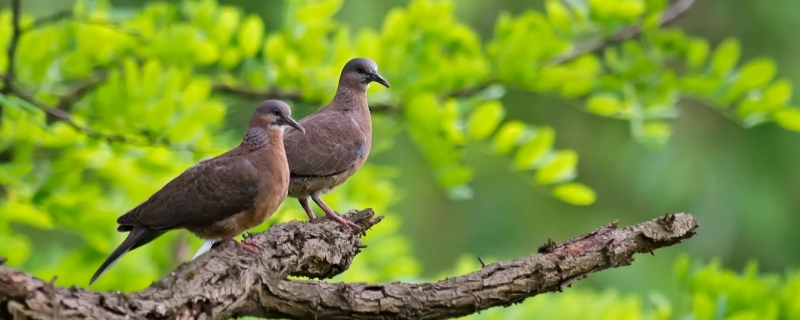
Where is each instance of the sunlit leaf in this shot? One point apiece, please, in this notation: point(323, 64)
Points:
point(532, 152)
point(15, 248)
point(575, 193)
point(508, 136)
point(12, 172)
point(779, 93)
point(788, 118)
point(604, 104)
point(725, 56)
point(697, 52)
point(756, 73)
point(485, 119)
point(558, 14)
point(26, 214)
point(251, 35)
point(560, 167)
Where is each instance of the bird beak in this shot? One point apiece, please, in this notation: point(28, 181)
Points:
point(295, 125)
point(377, 78)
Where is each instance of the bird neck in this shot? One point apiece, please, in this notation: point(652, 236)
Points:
point(257, 138)
point(349, 98)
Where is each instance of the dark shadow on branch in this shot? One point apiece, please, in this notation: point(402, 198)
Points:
point(228, 282)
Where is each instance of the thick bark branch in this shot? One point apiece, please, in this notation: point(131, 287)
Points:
point(228, 282)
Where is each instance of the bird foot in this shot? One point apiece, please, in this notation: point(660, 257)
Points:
point(248, 245)
point(336, 217)
point(251, 246)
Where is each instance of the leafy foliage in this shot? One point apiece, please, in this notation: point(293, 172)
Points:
point(115, 107)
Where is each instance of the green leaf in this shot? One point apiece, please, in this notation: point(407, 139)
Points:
point(779, 93)
point(629, 8)
point(660, 131)
point(19, 104)
point(756, 73)
point(558, 14)
point(604, 104)
point(655, 134)
point(561, 167)
point(725, 57)
point(681, 268)
point(224, 25)
point(788, 118)
point(206, 53)
point(251, 35)
point(231, 57)
point(575, 193)
point(702, 306)
point(508, 136)
point(11, 173)
point(533, 151)
point(318, 11)
point(697, 52)
point(16, 248)
point(26, 214)
point(454, 176)
point(485, 119)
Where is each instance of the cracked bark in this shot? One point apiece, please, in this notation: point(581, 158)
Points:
point(228, 282)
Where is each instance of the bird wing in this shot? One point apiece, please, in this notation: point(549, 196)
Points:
point(209, 191)
point(332, 143)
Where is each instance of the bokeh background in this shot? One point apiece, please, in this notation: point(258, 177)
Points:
point(741, 183)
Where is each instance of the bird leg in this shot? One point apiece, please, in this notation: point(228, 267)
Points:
point(247, 245)
point(329, 214)
point(307, 208)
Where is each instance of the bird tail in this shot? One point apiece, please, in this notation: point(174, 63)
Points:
point(137, 237)
point(204, 248)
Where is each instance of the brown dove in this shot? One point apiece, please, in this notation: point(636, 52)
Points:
point(218, 198)
point(337, 140)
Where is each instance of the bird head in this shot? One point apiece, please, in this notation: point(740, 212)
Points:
point(274, 113)
point(359, 72)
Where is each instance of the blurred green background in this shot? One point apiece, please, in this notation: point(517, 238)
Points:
point(741, 183)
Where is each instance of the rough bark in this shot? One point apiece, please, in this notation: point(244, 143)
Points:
point(228, 282)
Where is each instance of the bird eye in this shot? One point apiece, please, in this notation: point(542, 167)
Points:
point(276, 112)
point(360, 70)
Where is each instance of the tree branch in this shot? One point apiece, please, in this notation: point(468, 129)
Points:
point(11, 51)
point(227, 282)
point(670, 15)
point(673, 12)
point(76, 93)
point(65, 117)
point(258, 94)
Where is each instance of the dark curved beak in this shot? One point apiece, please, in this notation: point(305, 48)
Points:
point(295, 125)
point(377, 78)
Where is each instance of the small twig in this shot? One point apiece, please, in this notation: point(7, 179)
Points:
point(257, 94)
point(483, 264)
point(56, 17)
point(67, 118)
point(67, 101)
point(670, 15)
point(69, 15)
point(673, 12)
point(11, 53)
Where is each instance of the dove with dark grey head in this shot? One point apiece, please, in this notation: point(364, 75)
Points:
point(221, 197)
point(337, 140)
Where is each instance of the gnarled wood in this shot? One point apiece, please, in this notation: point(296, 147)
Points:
point(225, 282)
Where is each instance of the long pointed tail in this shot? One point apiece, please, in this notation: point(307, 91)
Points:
point(137, 237)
